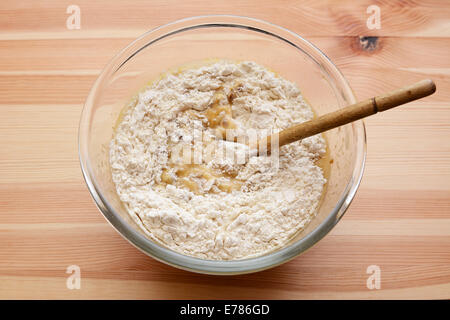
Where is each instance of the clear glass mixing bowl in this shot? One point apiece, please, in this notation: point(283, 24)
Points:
point(224, 37)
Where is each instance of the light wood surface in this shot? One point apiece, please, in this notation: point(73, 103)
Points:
point(399, 220)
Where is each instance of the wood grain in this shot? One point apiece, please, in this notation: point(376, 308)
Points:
point(399, 220)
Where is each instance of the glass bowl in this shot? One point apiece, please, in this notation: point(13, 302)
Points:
point(232, 38)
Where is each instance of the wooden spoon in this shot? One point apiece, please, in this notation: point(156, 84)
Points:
point(348, 114)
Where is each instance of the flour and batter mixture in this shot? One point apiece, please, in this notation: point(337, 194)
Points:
point(181, 177)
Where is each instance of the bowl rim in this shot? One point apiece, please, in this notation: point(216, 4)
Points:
point(218, 267)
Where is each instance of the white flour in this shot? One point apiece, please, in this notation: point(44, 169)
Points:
point(187, 211)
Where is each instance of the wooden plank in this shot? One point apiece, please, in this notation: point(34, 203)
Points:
point(75, 56)
point(52, 156)
point(21, 19)
point(51, 249)
point(74, 88)
point(24, 287)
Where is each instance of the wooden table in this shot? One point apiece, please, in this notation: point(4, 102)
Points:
point(399, 221)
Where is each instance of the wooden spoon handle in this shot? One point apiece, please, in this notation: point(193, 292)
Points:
point(351, 113)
